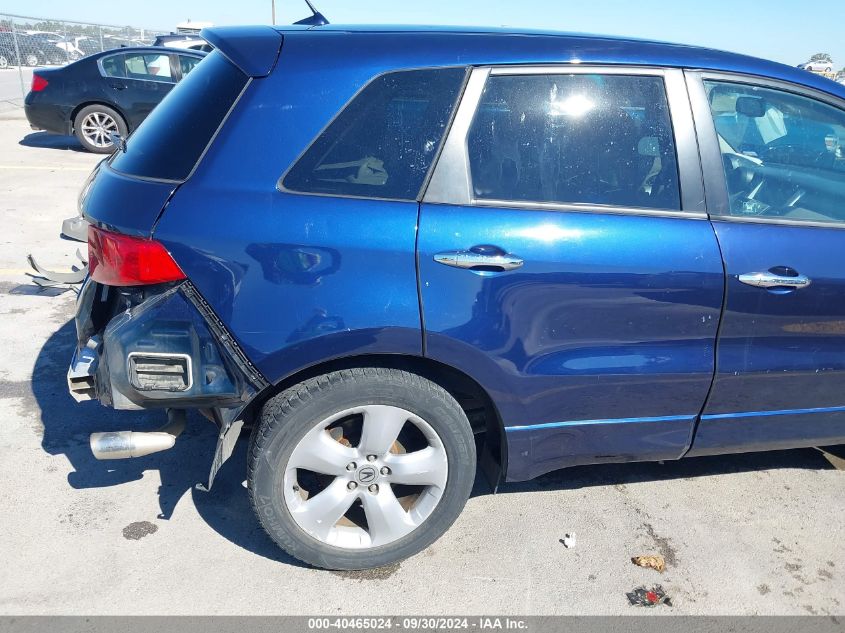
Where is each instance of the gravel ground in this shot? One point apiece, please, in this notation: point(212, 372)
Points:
point(746, 534)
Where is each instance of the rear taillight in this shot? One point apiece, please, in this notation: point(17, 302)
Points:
point(121, 260)
point(38, 83)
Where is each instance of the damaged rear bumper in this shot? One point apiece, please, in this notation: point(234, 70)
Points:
point(159, 347)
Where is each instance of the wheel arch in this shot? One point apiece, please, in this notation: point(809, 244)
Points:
point(480, 409)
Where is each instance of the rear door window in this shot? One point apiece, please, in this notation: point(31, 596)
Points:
point(149, 67)
point(114, 66)
point(174, 136)
point(384, 141)
point(575, 139)
point(187, 63)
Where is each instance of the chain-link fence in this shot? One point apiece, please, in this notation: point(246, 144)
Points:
point(27, 42)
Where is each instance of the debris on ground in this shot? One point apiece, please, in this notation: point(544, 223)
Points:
point(642, 597)
point(49, 278)
point(568, 541)
point(658, 563)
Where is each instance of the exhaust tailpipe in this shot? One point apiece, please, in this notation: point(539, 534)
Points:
point(126, 444)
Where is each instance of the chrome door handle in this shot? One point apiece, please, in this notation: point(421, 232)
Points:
point(481, 261)
point(772, 280)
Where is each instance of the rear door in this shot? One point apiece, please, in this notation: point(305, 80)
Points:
point(774, 163)
point(139, 83)
point(566, 262)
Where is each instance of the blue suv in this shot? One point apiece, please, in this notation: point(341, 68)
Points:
point(398, 252)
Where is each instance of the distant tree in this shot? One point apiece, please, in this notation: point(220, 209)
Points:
point(820, 57)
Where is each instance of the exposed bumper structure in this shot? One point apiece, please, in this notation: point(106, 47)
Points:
point(83, 369)
point(157, 347)
point(153, 349)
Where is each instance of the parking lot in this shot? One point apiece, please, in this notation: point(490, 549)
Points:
point(746, 534)
point(11, 99)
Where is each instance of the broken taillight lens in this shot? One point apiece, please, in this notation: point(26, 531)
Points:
point(121, 260)
point(38, 83)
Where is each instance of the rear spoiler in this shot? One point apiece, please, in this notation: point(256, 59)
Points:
point(253, 49)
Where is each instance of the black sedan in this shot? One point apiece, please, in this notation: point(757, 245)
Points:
point(106, 93)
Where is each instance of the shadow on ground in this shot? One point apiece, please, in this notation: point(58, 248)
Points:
point(226, 508)
point(67, 425)
point(52, 141)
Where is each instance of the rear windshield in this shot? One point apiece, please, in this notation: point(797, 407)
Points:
point(171, 140)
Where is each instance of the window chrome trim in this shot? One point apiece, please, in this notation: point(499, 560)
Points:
point(715, 179)
point(451, 182)
point(779, 221)
point(576, 68)
point(775, 84)
point(579, 207)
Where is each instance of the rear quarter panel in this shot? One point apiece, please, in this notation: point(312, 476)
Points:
point(297, 279)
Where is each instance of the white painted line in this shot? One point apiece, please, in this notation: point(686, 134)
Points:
point(37, 167)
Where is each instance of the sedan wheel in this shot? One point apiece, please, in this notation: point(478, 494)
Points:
point(95, 124)
point(360, 468)
point(4, 61)
point(31, 60)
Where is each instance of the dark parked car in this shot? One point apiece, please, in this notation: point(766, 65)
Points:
point(29, 51)
point(105, 93)
point(56, 49)
point(382, 248)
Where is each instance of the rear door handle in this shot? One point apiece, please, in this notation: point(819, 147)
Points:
point(118, 85)
point(773, 280)
point(480, 258)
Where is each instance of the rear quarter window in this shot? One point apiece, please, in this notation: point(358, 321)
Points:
point(383, 143)
point(170, 142)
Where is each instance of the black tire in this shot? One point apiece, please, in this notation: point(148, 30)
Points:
point(290, 415)
point(4, 62)
point(98, 109)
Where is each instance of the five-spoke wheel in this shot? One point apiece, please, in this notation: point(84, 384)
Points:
point(360, 468)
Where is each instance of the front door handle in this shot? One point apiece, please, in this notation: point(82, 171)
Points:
point(479, 259)
point(772, 280)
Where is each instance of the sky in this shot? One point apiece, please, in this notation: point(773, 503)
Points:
point(787, 31)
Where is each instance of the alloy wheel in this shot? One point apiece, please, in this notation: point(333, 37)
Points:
point(365, 477)
point(97, 129)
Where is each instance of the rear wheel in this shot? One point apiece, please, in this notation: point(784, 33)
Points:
point(94, 126)
point(360, 468)
point(31, 59)
point(4, 61)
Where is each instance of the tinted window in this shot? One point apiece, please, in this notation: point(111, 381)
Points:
point(383, 143)
point(148, 67)
point(171, 140)
point(589, 139)
point(187, 63)
point(113, 66)
point(783, 154)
